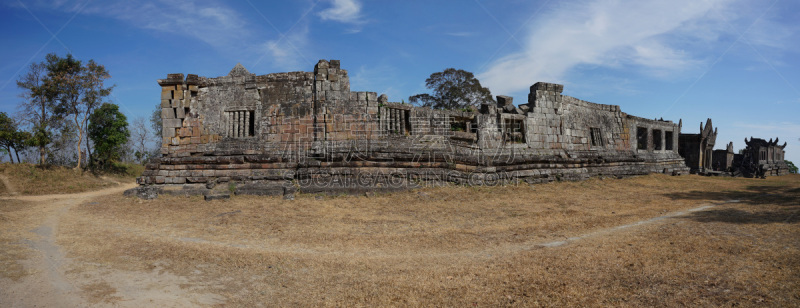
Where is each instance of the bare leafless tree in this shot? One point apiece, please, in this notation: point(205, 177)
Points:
point(140, 137)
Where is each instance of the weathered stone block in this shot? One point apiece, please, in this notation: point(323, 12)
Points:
point(167, 113)
point(168, 132)
point(172, 123)
point(503, 101)
point(166, 95)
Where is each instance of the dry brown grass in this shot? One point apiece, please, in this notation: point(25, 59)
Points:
point(14, 224)
point(101, 292)
point(29, 179)
point(465, 246)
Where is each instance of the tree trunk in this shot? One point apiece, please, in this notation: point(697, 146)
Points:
point(80, 139)
point(89, 160)
point(43, 126)
point(17, 153)
point(10, 158)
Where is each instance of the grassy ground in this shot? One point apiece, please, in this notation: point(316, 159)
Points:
point(13, 222)
point(28, 179)
point(465, 246)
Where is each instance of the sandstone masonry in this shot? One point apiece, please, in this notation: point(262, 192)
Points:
point(278, 133)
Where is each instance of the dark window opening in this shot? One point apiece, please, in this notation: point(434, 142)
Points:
point(252, 129)
point(514, 131)
point(597, 137)
point(657, 139)
point(641, 138)
point(459, 124)
point(669, 140)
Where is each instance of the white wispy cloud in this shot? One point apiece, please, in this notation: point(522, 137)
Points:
point(286, 51)
point(344, 11)
point(460, 34)
point(209, 21)
point(649, 35)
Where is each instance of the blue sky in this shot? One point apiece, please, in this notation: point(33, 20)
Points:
point(735, 61)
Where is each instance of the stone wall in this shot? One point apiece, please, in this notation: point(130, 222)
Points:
point(278, 133)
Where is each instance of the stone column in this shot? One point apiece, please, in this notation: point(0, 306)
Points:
point(246, 124)
point(392, 120)
point(228, 124)
point(402, 121)
point(240, 115)
point(395, 126)
point(235, 124)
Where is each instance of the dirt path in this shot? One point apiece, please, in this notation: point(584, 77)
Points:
point(57, 281)
point(488, 252)
point(50, 284)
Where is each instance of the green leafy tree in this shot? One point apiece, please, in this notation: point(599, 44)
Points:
point(453, 89)
point(792, 167)
point(37, 108)
point(8, 129)
point(108, 129)
point(11, 138)
point(77, 91)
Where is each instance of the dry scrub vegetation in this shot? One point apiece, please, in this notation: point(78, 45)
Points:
point(27, 179)
point(464, 246)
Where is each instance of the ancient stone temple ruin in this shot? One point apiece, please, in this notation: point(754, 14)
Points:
point(723, 159)
point(698, 149)
point(761, 158)
point(278, 133)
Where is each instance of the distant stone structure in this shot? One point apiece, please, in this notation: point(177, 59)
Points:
point(723, 159)
point(761, 158)
point(698, 149)
point(277, 133)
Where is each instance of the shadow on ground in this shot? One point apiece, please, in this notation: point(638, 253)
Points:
point(763, 204)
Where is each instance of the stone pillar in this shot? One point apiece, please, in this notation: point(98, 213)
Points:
point(240, 115)
point(390, 125)
point(246, 124)
point(402, 121)
point(228, 125)
point(235, 124)
point(395, 128)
